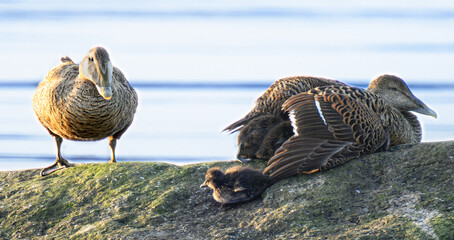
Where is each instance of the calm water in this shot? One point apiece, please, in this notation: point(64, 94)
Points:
point(199, 65)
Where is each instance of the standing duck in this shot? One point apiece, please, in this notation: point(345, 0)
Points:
point(266, 127)
point(89, 101)
point(334, 124)
point(238, 184)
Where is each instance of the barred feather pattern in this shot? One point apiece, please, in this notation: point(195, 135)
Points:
point(402, 126)
point(350, 122)
point(270, 102)
point(71, 107)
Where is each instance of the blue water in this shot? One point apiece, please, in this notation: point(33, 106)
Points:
point(199, 65)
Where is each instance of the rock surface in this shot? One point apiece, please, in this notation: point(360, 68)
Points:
point(406, 193)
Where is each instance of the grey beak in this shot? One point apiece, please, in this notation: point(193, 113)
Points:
point(106, 92)
point(204, 185)
point(424, 109)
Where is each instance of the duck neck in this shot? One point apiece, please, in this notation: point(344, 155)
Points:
point(415, 125)
point(404, 127)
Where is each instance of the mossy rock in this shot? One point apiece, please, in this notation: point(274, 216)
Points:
point(406, 193)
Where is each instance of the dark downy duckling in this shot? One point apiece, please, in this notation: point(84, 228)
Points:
point(262, 136)
point(267, 126)
point(274, 139)
point(334, 124)
point(89, 101)
point(238, 184)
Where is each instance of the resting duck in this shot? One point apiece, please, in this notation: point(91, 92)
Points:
point(334, 124)
point(89, 101)
point(266, 127)
point(238, 184)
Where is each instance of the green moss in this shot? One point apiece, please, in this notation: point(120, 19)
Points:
point(443, 226)
point(391, 195)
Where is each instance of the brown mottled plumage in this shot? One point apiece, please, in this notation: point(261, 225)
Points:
point(270, 102)
point(85, 102)
point(262, 136)
point(237, 184)
point(334, 124)
point(267, 126)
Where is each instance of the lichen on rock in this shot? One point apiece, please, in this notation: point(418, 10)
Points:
point(405, 193)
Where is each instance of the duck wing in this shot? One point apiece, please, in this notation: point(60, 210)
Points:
point(271, 101)
point(332, 125)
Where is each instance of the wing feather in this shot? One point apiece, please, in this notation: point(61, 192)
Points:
point(332, 125)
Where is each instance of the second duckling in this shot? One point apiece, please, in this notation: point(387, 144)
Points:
point(237, 184)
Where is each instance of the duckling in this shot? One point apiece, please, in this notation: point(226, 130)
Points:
point(256, 139)
point(89, 101)
point(262, 136)
point(252, 136)
point(274, 139)
point(334, 124)
point(237, 184)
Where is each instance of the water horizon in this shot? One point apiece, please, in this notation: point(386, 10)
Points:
point(199, 65)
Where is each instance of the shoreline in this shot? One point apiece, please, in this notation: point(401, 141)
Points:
point(396, 194)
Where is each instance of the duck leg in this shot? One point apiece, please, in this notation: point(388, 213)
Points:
point(112, 145)
point(60, 163)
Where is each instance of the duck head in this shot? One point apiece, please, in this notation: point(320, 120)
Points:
point(96, 67)
point(252, 135)
point(214, 178)
point(395, 92)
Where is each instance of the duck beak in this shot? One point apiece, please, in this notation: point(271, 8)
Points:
point(240, 157)
point(427, 111)
point(424, 109)
point(106, 92)
point(204, 185)
point(105, 81)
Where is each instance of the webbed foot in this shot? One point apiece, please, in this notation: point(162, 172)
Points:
point(58, 165)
